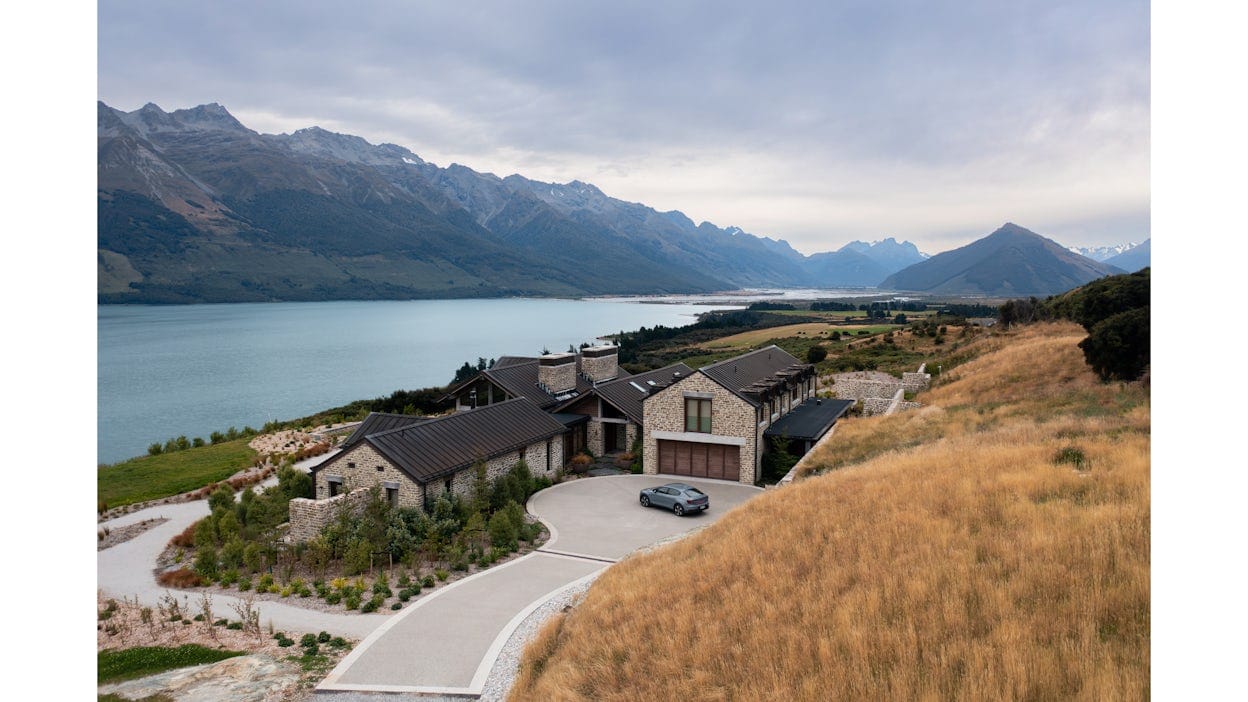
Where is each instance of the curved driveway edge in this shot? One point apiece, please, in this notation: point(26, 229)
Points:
point(447, 643)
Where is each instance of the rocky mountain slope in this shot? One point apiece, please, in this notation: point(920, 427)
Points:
point(195, 207)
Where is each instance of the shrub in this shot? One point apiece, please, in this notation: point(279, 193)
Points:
point(428, 581)
point(405, 595)
point(396, 606)
point(1071, 455)
point(236, 626)
point(323, 637)
point(285, 642)
point(338, 642)
point(307, 640)
point(441, 574)
point(206, 562)
point(186, 539)
point(244, 584)
point(352, 601)
point(816, 353)
point(182, 577)
point(334, 597)
point(380, 588)
point(1117, 347)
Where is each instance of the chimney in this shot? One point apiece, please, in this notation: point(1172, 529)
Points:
point(557, 372)
point(600, 363)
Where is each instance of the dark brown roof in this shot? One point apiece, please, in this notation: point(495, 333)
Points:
point(378, 422)
point(504, 361)
point(627, 394)
point(440, 447)
point(756, 374)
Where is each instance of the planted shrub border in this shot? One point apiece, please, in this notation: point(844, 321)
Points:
point(353, 564)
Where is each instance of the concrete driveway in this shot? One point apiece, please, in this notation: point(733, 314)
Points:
point(447, 642)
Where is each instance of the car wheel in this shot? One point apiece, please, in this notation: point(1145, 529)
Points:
point(645, 501)
point(678, 509)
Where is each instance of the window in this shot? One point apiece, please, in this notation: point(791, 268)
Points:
point(392, 496)
point(697, 415)
point(446, 484)
point(334, 482)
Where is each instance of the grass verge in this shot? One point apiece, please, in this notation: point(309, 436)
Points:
point(130, 663)
point(153, 477)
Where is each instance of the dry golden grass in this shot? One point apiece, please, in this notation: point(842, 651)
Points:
point(969, 565)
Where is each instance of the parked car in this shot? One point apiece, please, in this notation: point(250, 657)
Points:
point(678, 497)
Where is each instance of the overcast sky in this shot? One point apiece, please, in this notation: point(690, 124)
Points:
point(818, 123)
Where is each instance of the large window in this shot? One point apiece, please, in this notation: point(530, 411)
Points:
point(697, 415)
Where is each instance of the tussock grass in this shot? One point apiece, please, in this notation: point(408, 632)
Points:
point(153, 477)
point(965, 564)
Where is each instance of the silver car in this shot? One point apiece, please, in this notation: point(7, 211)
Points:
point(678, 497)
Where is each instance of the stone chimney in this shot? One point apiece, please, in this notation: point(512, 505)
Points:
point(557, 372)
point(600, 363)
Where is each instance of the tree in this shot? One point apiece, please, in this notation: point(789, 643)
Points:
point(900, 319)
point(1117, 348)
point(816, 353)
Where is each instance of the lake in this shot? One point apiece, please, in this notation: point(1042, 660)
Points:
point(165, 371)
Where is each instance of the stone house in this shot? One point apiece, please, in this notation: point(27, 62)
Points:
point(716, 422)
point(615, 410)
point(563, 384)
point(414, 460)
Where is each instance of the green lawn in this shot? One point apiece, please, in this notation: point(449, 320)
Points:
point(152, 477)
point(130, 663)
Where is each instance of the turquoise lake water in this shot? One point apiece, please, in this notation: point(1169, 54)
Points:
point(165, 371)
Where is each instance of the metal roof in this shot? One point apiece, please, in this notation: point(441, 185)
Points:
point(810, 420)
point(757, 372)
point(439, 447)
point(378, 422)
point(627, 394)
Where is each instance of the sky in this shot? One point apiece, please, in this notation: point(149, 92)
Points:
point(818, 123)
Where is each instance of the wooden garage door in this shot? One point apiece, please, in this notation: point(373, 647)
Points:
point(700, 460)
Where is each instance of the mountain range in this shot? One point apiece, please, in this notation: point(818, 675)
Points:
point(195, 207)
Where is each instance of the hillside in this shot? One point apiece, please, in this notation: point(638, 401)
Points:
point(992, 545)
point(193, 206)
point(1134, 259)
point(1012, 261)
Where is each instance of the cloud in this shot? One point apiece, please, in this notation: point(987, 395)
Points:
point(815, 122)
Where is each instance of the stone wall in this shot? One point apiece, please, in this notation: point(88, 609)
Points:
point(309, 517)
point(534, 455)
point(362, 467)
point(730, 416)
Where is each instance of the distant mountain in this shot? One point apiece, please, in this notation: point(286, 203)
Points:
point(888, 253)
point(1134, 259)
point(1102, 253)
point(1011, 261)
point(195, 207)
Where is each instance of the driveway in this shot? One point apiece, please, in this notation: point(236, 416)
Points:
point(447, 642)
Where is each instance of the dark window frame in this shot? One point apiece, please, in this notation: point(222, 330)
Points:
point(701, 416)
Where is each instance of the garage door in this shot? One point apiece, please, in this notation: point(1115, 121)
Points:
point(700, 460)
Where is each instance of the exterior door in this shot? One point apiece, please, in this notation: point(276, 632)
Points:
point(700, 460)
